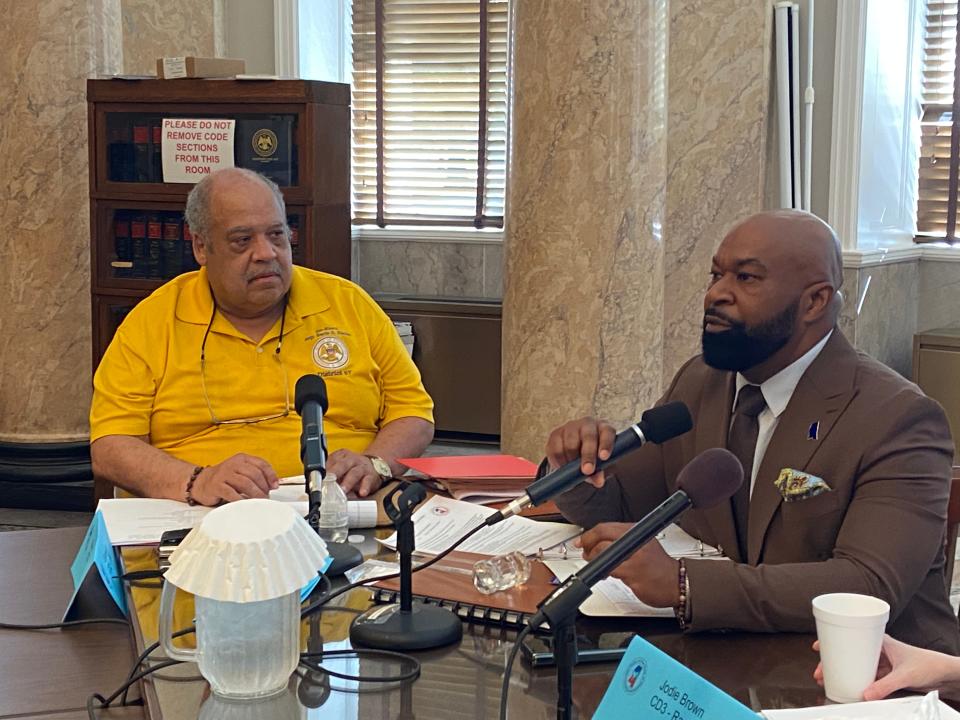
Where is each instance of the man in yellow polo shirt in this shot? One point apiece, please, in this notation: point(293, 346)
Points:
point(193, 399)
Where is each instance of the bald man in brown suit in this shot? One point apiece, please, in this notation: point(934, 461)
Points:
point(862, 455)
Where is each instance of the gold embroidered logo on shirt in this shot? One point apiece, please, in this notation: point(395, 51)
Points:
point(330, 352)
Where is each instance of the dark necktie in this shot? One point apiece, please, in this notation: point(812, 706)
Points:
point(742, 442)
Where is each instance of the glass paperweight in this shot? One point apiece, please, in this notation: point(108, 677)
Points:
point(501, 572)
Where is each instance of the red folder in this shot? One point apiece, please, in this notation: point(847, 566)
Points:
point(473, 466)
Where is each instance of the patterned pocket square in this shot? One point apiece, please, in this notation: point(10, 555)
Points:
point(796, 485)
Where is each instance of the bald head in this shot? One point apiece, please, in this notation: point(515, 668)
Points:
point(774, 291)
point(806, 240)
point(199, 208)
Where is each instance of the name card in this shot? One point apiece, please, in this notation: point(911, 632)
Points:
point(97, 587)
point(650, 683)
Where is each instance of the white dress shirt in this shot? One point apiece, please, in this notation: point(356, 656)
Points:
point(777, 391)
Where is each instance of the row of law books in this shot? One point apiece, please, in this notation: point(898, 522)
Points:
point(261, 143)
point(154, 245)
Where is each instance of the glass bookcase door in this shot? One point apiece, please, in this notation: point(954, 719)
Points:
point(145, 246)
point(264, 142)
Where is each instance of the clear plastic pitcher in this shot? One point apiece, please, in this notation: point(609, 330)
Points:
point(244, 649)
point(282, 706)
point(245, 564)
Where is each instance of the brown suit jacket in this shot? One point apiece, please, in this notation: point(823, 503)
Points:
point(882, 446)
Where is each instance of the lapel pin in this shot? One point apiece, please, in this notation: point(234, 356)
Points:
point(814, 429)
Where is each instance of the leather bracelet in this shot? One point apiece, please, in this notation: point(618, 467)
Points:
point(193, 478)
point(681, 609)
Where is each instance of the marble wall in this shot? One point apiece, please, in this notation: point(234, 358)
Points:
point(881, 310)
point(44, 259)
point(583, 296)
point(938, 304)
point(437, 268)
point(153, 30)
point(716, 136)
point(886, 304)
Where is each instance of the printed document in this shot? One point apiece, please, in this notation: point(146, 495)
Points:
point(441, 521)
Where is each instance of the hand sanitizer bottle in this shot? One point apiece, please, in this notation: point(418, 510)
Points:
point(333, 524)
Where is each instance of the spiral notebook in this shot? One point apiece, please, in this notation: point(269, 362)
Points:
point(449, 584)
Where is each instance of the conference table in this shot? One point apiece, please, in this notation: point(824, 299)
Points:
point(50, 674)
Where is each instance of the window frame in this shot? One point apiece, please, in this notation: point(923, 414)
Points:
point(859, 250)
point(462, 231)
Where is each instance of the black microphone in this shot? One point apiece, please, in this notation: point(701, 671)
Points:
point(656, 425)
point(711, 477)
point(310, 401)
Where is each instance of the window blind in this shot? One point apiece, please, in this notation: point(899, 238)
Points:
point(940, 133)
point(429, 112)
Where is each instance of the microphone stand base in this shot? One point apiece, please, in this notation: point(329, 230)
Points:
point(387, 627)
point(345, 556)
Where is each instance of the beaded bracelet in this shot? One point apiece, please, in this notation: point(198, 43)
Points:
point(193, 478)
point(681, 609)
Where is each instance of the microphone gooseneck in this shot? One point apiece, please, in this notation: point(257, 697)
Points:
point(656, 425)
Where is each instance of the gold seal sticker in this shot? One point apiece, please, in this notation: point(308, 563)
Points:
point(264, 142)
point(330, 353)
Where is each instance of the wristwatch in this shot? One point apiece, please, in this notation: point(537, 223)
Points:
point(381, 467)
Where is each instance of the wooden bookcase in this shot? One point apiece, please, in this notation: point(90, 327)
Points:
point(138, 239)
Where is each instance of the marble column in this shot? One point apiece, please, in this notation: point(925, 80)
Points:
point(44, 263)
point(49, 51)
point(583, 286)
point(718, 106)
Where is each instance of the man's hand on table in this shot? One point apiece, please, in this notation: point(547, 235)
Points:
point(355, 472)
point(238, 477)
point(650, 573)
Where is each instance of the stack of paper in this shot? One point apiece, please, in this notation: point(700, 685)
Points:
point(908, 708)
point(440, 521)
point(141, 521)
point(483, 479)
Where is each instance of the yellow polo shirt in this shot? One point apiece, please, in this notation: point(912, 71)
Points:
point(149, 380)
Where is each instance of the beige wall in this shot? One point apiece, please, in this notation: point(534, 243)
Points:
point(248, 34)
point(171, 28)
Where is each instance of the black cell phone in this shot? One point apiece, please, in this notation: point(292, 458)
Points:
point(605, 647)
point(168, 543)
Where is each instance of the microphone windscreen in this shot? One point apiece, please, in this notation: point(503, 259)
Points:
point(711, 477)
point(310, 387)
point(665, 422)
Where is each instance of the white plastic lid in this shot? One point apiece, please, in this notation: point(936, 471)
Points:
point(247, 551)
